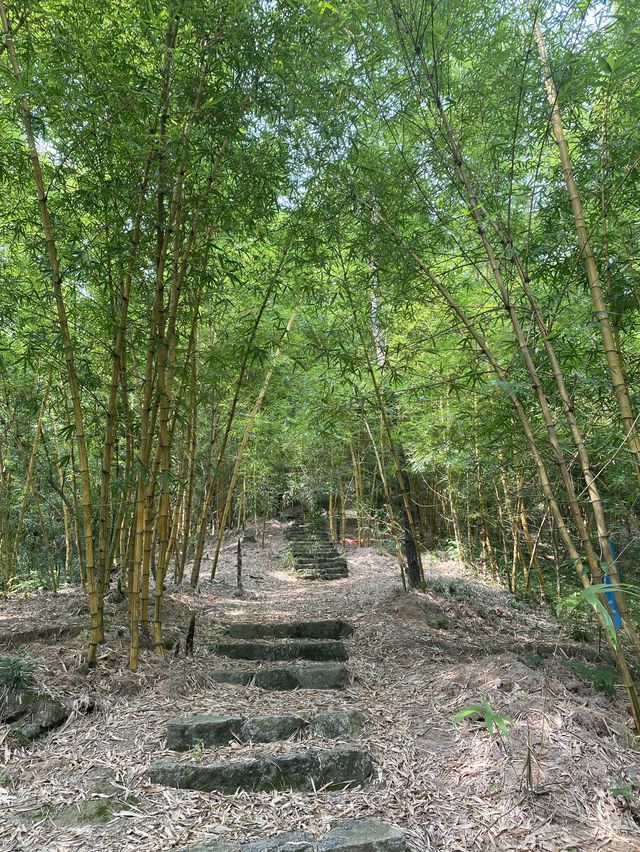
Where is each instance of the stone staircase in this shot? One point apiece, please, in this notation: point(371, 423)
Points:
point(315, 556)
point(316, 653)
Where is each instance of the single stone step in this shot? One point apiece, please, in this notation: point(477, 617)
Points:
point(324, 629)
point(313, 676)
point(314, 551)
point(329, 553)
point(294, 841)
point(338, 724)
point(363, 835)
point(335, 559)
point(186, 733)
point(326, 567)
point(353, 835)
point(310, 769)
point(334, 574)
point(338, 571)
point(295, 649)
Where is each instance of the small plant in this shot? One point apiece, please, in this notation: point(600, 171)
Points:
point(452, 588)
point(16, 673)
point(591, 596)
point(604, 678)
point(623, 790)
point(197, 750)
point(534, 661)
point(579, 633)
point(29, 584)
point(488, 715)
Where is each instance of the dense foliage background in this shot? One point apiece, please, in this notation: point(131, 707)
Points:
point(381, 257)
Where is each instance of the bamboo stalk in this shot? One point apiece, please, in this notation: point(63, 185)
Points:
point(243, 444)
point(612, 355)
point(480, 216)
point(138, 586)
point(545, 483)
point(395, 526)
point(214, 477)
point(29, 484)
point(416, 577)
point(95, 603)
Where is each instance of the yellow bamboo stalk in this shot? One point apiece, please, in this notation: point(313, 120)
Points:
point(545, 483)
point(612, 355)
point(95, 603)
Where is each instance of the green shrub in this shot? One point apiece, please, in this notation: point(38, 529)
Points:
point(16, 673)
point(604, 678)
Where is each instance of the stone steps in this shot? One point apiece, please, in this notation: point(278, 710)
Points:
point(310, 769)
point(293, 649)
point(353, 835)
point(323, 629)
point(335, 767)
point(208, 731)
point(311, 676)
point(316, 553)
point(328, 559)
point(315, 557)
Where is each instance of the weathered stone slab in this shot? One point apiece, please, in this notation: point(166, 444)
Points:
point(313, 676)
point(279, 679)
point(338, 724)
point(355, 835)
point(337, 571)
point(304, 770)
point(214, 730)
point(296, 649)
point(293, 841)
point(322, 676)
point(363, 835)
point(30, 713)
point(316, 556)
point(270, 728)
point(324, 629)
point(183, 734)
point(332, 574)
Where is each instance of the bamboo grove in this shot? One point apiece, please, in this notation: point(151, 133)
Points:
point(381, 256)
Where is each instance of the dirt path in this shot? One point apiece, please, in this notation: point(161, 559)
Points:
point(415, 660)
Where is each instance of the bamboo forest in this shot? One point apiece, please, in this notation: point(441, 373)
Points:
point(319, 425)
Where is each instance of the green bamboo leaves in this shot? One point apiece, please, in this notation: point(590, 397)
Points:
point(493, 721)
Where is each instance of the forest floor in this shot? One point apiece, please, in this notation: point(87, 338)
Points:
point(566, 777)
